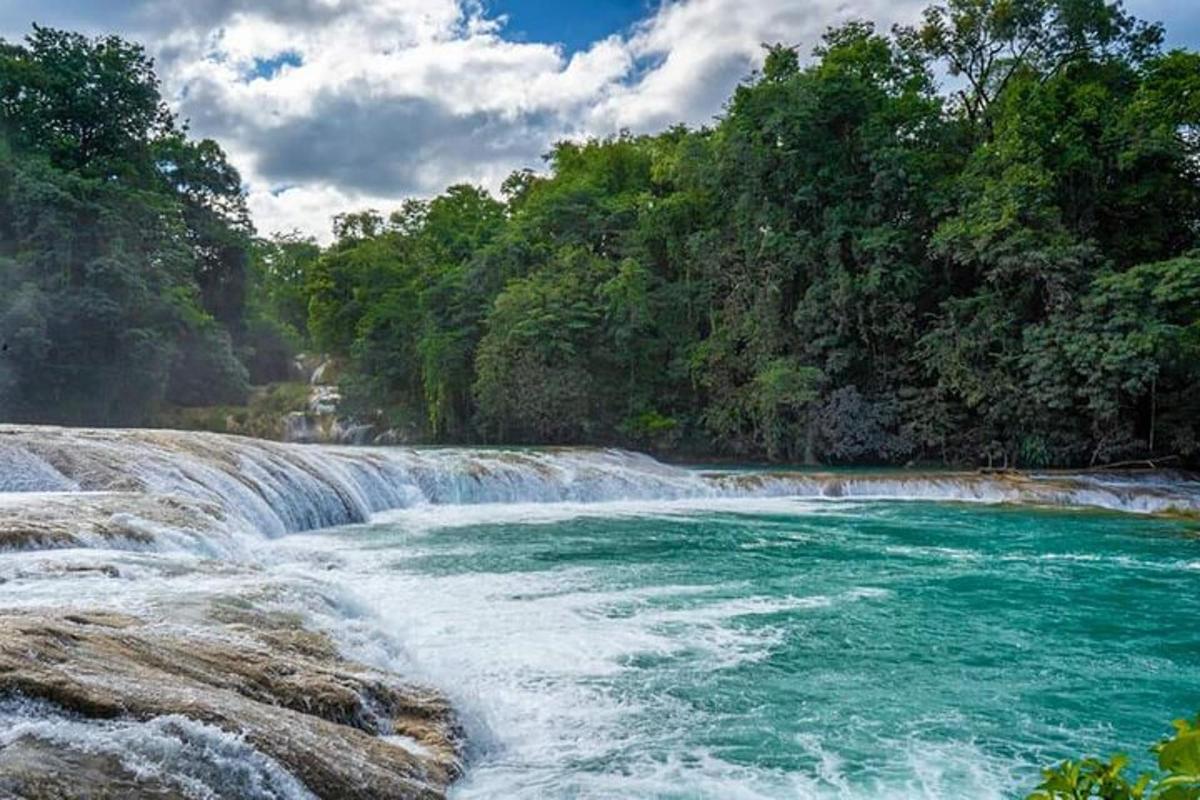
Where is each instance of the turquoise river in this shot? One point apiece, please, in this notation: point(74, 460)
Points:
point(607, 627)
point(787, 649)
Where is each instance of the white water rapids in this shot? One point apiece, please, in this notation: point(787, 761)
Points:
point(271, 489)
point(150, 522)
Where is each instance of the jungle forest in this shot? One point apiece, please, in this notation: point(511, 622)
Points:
point(975, 240)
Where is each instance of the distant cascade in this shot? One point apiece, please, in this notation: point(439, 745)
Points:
point(1128, 493)
point(23, 471)
point(275, 488)
point(278, 488)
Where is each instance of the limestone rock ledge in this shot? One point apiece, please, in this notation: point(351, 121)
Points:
point(77, 519)
point(278, 695)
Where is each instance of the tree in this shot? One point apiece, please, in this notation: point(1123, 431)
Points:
point(783, 392)
point(92, 106)
point(987, 43)
point(853, 264)
point(533, 383)
point(123, 243)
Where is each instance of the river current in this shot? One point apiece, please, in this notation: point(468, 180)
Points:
point(609, 627)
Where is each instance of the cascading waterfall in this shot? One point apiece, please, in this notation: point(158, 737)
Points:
point(272, 489)
point(176, 542)
point(23, 471)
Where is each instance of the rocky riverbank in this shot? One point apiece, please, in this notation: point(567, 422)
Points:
point(138, 672)
point(152, 645)
point(258, 681)
point(145, 654)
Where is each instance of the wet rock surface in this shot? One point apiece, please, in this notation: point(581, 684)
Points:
point(277, 691)
point(142, 616)
point(39, 769)
point(72, 519)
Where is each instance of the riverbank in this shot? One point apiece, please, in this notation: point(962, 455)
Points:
point(141, 610)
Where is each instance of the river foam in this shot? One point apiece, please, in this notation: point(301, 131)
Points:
point(178, 753)
point(167, 526)
point(269, 489)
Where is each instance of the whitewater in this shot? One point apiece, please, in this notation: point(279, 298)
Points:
point(601, 624)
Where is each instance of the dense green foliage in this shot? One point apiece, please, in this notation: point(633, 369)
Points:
point(124, 245)
point(1178, 779)
point(850, 266)
point(853, 264)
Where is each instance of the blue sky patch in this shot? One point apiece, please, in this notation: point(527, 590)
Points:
point(574, 25)
point(269, 67)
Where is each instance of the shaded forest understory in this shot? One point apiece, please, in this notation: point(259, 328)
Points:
point(976, 240)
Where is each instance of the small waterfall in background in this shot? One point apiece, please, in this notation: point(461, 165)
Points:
point(602, 623)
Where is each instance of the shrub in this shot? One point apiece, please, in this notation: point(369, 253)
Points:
point(1178, 776)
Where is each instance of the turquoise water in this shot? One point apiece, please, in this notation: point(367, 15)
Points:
point(783, 649)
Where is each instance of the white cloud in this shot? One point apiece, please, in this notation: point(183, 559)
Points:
point(377, 100)
point(702, 48)
point(308, 208)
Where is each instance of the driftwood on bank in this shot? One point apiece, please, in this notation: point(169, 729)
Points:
point(1140, 464)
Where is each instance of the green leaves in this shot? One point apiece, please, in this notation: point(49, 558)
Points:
point(850, 264)
point(134, 238)
point(783, 390)
point(91, 105)
point(1180, 756)
point(1178, 763)
point(1091, 778)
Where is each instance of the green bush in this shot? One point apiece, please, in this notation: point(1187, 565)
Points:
point(652, 428)
point(1178, 776)
point(267, 348)
point(206, 372)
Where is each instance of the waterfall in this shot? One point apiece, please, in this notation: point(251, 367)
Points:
point(145, 579)
point(275, 488)
point(272, 488)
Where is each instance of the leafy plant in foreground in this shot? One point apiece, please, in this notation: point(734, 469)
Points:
point(1178, 778)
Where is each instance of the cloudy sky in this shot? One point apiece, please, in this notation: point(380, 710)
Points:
point(335, 105)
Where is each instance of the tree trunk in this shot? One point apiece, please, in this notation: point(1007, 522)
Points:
point(810, 456)
point(1153, 410)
